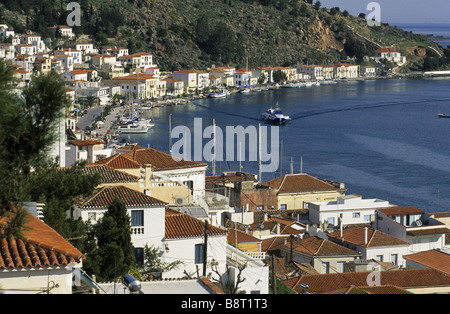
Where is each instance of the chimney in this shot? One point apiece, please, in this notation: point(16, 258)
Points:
point(365, 235)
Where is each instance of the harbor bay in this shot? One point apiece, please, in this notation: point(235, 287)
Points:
point(381, 138)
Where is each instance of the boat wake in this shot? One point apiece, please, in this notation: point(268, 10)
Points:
point(225, 112)
point(311, 113)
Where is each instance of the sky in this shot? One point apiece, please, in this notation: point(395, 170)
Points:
point(399, 11)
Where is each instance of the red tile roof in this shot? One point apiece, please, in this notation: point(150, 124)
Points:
point(87, 142)
point(159, 160)
point(300, 182)
point(241, 236)
point(41, 246)
point(179, 225)
point(103, 197)
point(109, 175)
point(118, 161)
point(316, 246)
point(356, 235)
point(385, 289)
point(401, 210)
point(436, 259)
point(401, 278)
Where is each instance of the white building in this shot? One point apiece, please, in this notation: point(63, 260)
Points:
point(368, 71)
point(86, 48)
point(189, 79)
point(389, 54)
point(315, 72)
point(413, 225)
point(5, 32)
point(242, 78)
point(372, 244)
point(77, 55)
point(346, 210)
point(147, 214)
point(76, 75)
point(26, 49)
point(33, 40)
point(64, 31)
point(185, 241)
point(66, 61)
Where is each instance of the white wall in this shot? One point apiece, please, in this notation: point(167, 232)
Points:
point(36, 280)
point(184, 249)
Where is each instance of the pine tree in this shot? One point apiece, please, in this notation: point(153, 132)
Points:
point(27, 131)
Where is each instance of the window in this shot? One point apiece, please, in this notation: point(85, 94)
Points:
point(356, 215)
point(330, 221)
point(379, 258)
point(325, 267)
point(139, 256)
point(340, 267)
point(283, 206)
point(199, 251)
point(92, 216)
point(394, 259)
point(137, 218)
point(366, 218)
point(260, 207)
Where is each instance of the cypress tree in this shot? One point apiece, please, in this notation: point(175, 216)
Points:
point(113, 233)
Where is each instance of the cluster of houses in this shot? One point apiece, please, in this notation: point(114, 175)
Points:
point(233, 229)
point(109, 72)
point(227, 230)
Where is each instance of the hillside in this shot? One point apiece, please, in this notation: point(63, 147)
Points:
point(199, 33)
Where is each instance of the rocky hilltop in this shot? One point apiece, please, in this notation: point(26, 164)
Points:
point(200, 33)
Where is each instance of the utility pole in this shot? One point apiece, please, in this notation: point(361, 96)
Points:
point(205, 248)
point(292, 248)
point(274, 280)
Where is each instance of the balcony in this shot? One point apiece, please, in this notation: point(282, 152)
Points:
point(137, 230)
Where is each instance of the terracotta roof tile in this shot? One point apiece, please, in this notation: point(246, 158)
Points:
point(159, 160)
point(118, 161)
point(40, 246)
point(356, 235)
point(384, 289)
point(401, 210)
point(241, 236)
point(436, 259)
point(87, 142)
point(401, 278)
point(316, 246)
point(103, 197)
point(179, 225)
point(300, 182)
point(109, 175)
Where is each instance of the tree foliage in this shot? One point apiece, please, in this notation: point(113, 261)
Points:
point(114, 253)
point(27, 131)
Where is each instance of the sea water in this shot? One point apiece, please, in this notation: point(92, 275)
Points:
point(382, 138)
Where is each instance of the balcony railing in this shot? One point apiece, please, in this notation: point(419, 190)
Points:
point(137, 230)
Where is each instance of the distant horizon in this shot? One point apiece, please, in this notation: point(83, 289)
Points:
point(399, 11)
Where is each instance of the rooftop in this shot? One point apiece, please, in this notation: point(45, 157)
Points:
point(179, 225)
point(301, 182)
point(104, 196)
point(435, 259)
point(401, 278)
point(41, 246)
point(356, 235)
